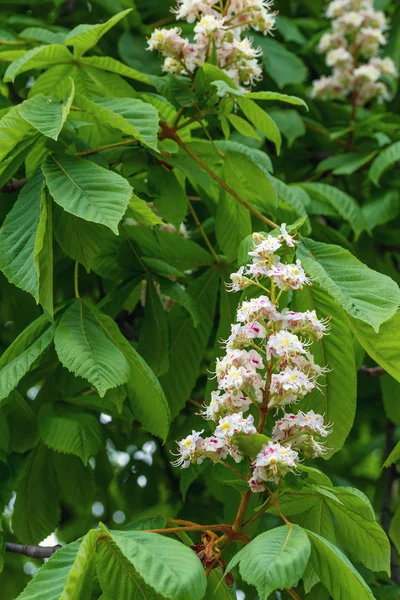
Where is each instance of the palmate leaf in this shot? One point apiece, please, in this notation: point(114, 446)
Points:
point(168, 566)
point(335, 571)
point(21, 354)
point(84, 347)
point(38, 58)
point(37, 510)
point(133, 117)
point(188, 343)
point(70, 431)
point(153, 338)
point(383, 347)
point(364, 294)
point(342, 203)
point(83, 37)
point(336, 398)
point(274, 560)
point(383, 161)
point(49, 582)
point(25, 243)
point(86, 190)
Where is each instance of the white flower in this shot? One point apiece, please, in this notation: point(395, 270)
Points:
point(168, 41)
point(215, 447)
point(239, 281)
point(272, 462)
point(209, 24)
point(327, 87)
point(193, 9)
point(174, 66)
point(385, 66)
point(339, 57)
point(304, 321)
point(284, 236)
point(337, 8)
point(367, 72)
point(188, 448)
point(290, 385)
point(290, 276)
point(233, 424)
point(349, 22)
point(284, 344)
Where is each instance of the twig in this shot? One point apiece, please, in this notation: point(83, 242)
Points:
point(241, 513)
point(371, 371)
point(32, 551)
point(292, 593)
point(201, 229)
point(171, 134)
point(107, 147)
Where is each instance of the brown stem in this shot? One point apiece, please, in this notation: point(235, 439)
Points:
point(371, 371)
point(264, 407)
point(32, 551)
point(292, 593)
point(259, 513)
point(241, 513)
point(191, 528)
point(107, 147)
point(171, 133)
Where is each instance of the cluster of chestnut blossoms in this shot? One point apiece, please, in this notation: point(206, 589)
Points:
point(218, 30)
point(352, 51)
point(267, 367)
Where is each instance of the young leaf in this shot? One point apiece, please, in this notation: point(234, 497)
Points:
point(336, 398)
point(187, 342)
point(49, 582)
point(46, 114)
point(383, 161)
point(22, 353)
point(142, 213)
point(365, 294)
point(37, 510)
point(274, 560)
point(86, 190)
point(83, 37)
point(153, 338)
point(79, 581)
point(168, 566)
point(70, 431)
point(261, 121)
point(242, 126)
point(83, 345)
point(335, 571)
point(276, 97)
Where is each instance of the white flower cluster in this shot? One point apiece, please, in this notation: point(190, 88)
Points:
point(217, 35)
point(267, 366)
point(352, 49)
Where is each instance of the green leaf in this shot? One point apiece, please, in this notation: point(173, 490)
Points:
point(49, 582)
point(178, 294)
point(276, 97)
point(251, 444)
point(153, 338)
point(133, 117)
point(342, 203)
point(274, 560)
point(394, 530)
point(365, 294)
point(83, 37)
point(336, 398)
point(38, 58)
point(242, 126)
point(25, 241)
point(21, 419)
point(22, 353)
point(13, 129)
point(391, 397)
point(283, 66)
point(168, 566)
point(364, 539)
point(335, 571)
point(383, 161)
point(76, 484)
point(81, 240)
point(107, 63)
point(84, 347)
point(188, 343)
point(289, 123)
point(382, 209)
point(70, 431)
point(393, 457)
point(79, 581)
point(139, 210)
point(345, 164)
point(173, 249)
point(217, 589)
point(86, 190)
point(169, 196)
point(37, 510)
point(146, 397)
point(383, 347)
point(46, 114)
point(261, 121)
point(232, 222)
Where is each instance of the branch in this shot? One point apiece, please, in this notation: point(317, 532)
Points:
point(371, 371)
point(13, 185)
point(32, 551)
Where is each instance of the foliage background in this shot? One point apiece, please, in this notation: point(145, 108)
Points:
point(133, 477)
